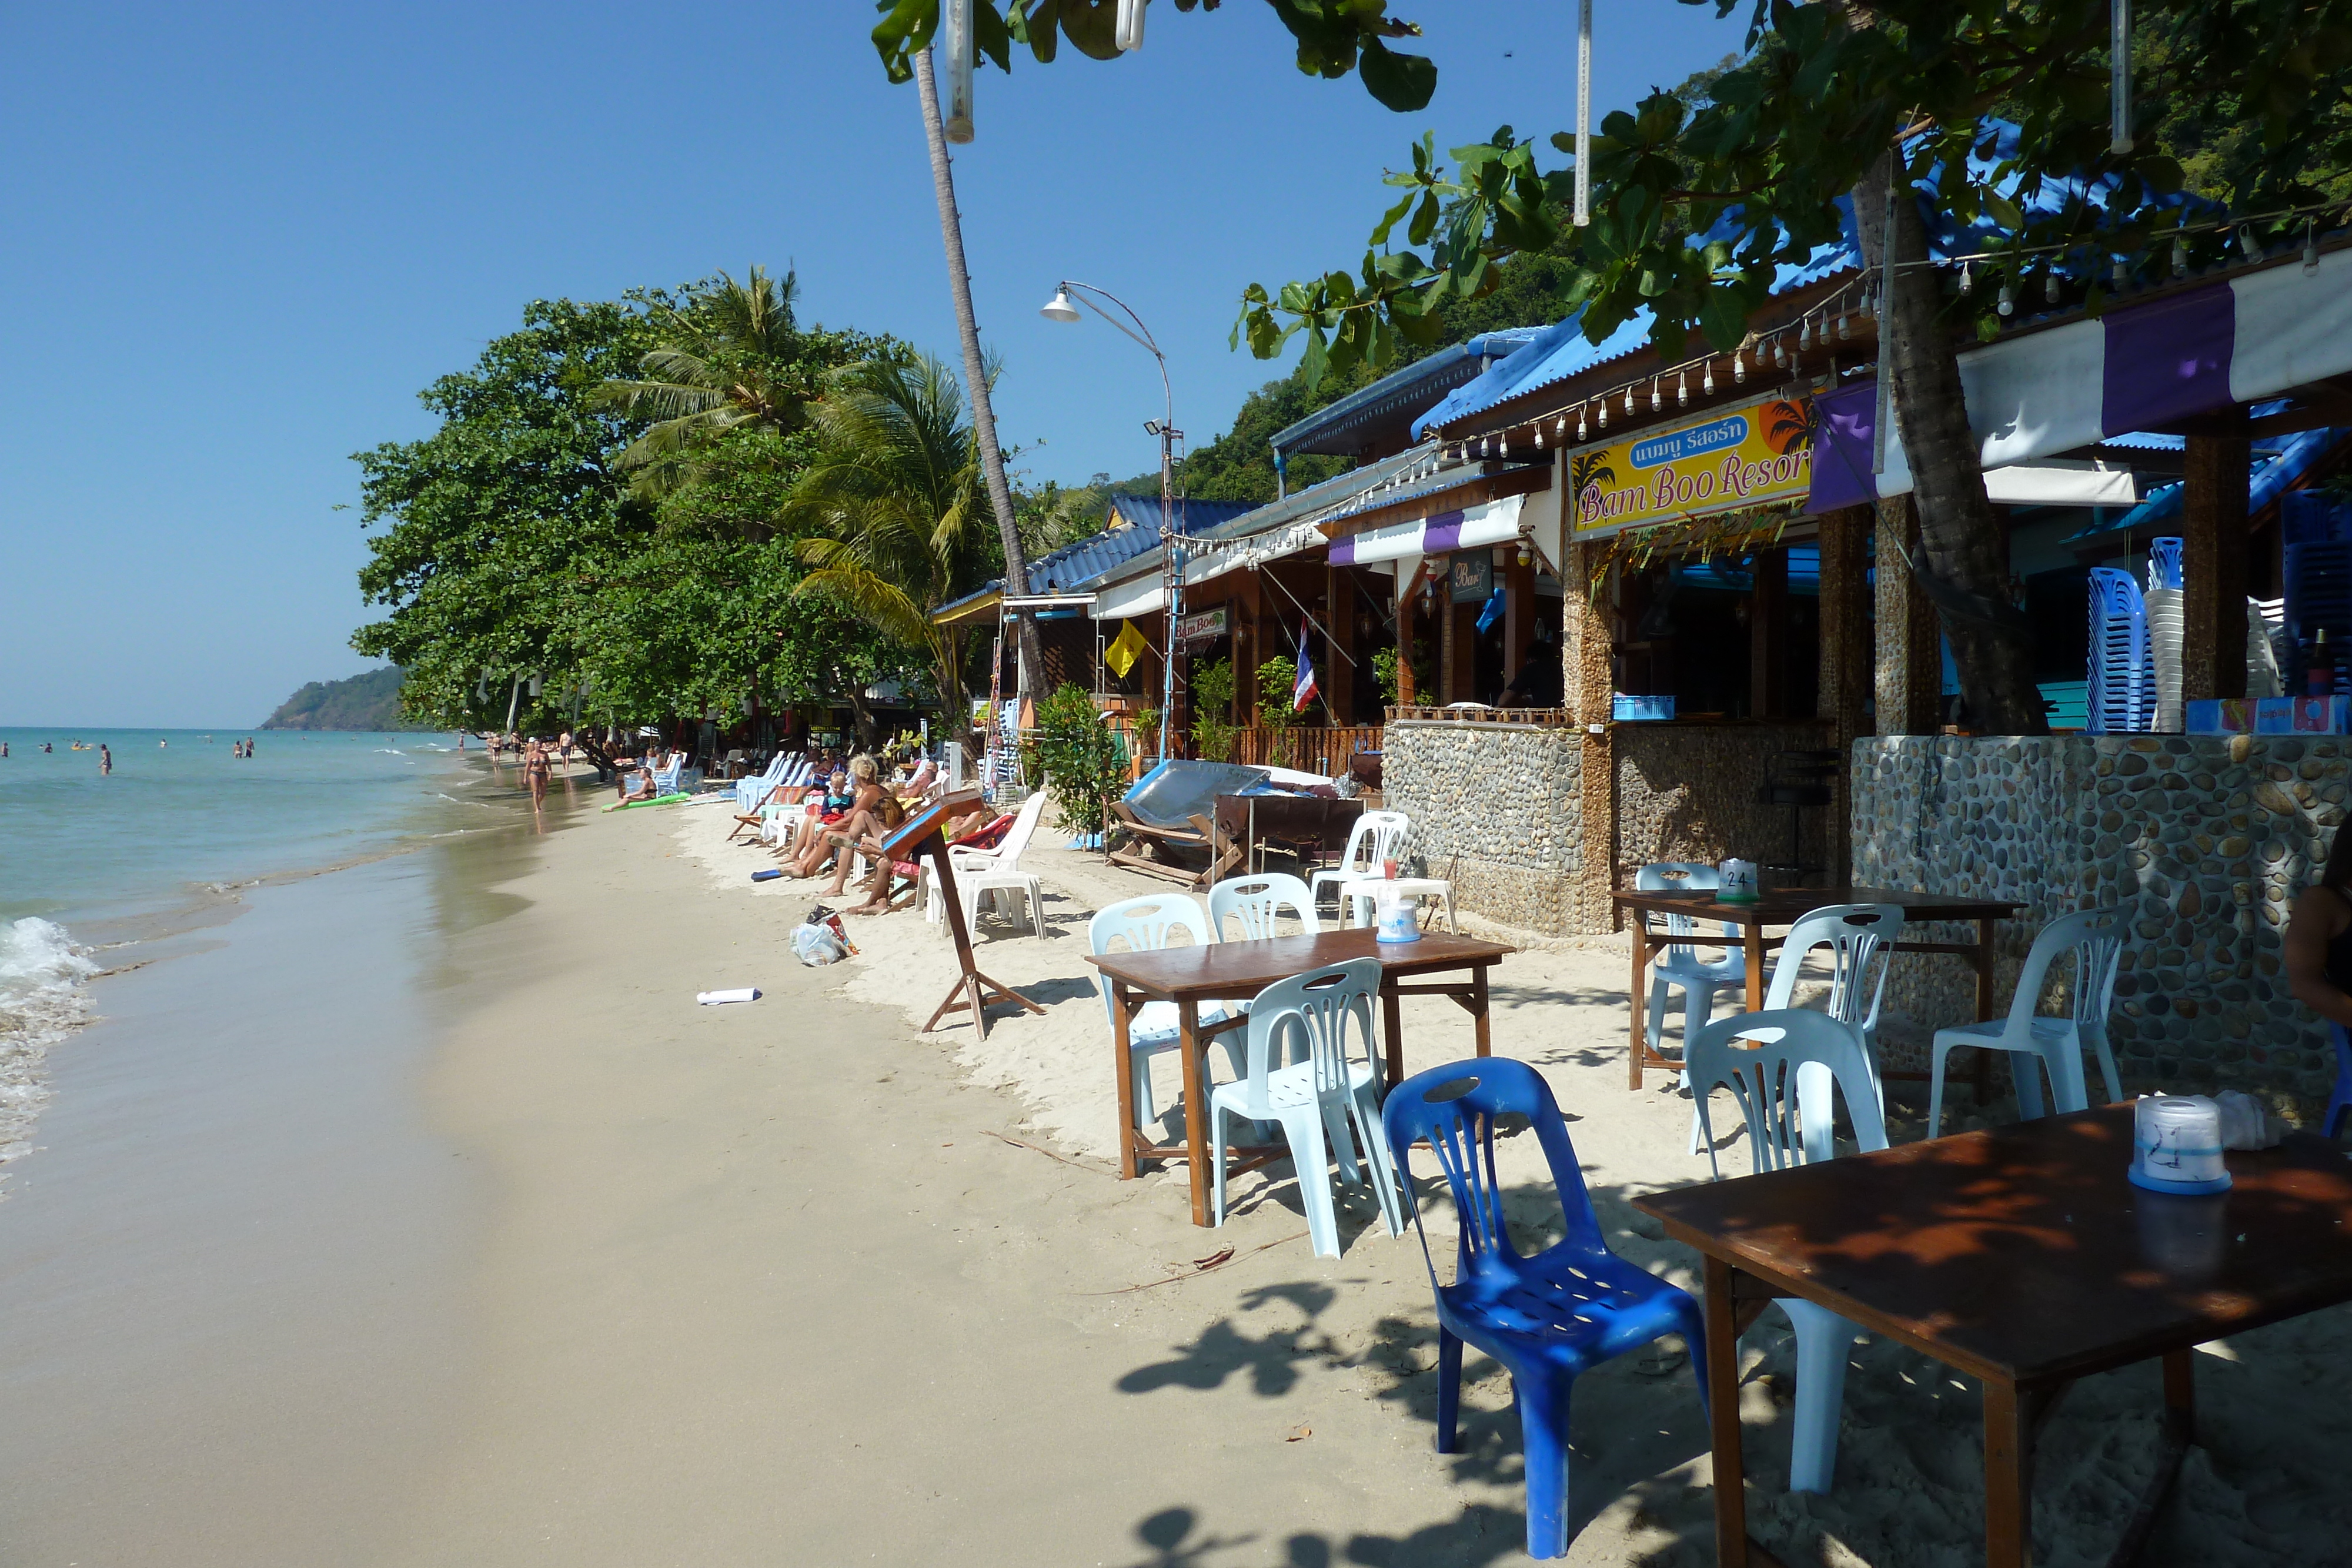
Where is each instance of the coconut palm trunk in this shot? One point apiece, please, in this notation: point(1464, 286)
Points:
point(976, 374)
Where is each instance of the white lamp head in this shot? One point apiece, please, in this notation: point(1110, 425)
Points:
point(1060, 308)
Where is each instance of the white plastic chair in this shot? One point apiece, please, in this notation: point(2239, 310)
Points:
point(1678, 963)
point(995, 870)
point(1255, 901)
point(1857, 936)
point(1143, 925)
point(1316, 1097)
point(1373, 839)
point(2095, 938)
point(1783, 1086)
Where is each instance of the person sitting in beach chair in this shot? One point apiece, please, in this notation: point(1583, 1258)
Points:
point(873, 815)
point(635, 781)
point(830, 804)
point(893, 882)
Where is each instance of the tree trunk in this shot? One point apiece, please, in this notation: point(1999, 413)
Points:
point(1965, 553)
point(975, 375)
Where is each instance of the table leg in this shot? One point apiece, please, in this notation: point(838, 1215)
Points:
point(1196, 1106)
point(2009, 1478)
point(1478, 1010)
point(1392, 1024)
point(1123, 1064)
point(1751, 942)
point(2181, 1394)
point(1722, 1418)
point(1639, 992)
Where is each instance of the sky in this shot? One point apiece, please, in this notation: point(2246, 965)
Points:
point(241, 237)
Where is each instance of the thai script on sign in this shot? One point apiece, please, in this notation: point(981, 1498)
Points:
point(1760, 455)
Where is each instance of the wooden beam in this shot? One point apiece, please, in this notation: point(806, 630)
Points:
point(1909, 674)
point(2213, 546)
point(1586, 669)
point(1407, 602)
point(1844, 672)
point(1515, 480)
point(1339, 680)
point(1518, 615)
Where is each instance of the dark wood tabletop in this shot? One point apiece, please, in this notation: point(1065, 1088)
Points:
point(2022, 1257)
point(1786, 906)
point(1216, 971)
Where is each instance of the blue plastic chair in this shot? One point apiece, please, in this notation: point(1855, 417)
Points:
point(2122, 674)
point(1549, 1317)
point(2339, 1104)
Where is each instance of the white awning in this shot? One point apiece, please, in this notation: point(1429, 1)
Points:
point(2062, 482)
point(1488, 523)
point(1137, 596)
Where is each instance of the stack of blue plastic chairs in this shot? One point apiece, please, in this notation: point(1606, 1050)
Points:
point(2318, 568)
point(2122, 674)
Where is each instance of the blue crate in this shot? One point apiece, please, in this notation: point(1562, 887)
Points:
point(1641, 710)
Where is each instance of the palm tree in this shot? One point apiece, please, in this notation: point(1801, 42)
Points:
point(894, 512)
point(732, 360)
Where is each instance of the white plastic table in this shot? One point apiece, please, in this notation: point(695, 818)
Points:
point(1368, 888)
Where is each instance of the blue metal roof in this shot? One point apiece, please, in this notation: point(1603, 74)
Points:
point(1132, 528)
point(1562, 351)
point(2271, 478)
point(1344, 428)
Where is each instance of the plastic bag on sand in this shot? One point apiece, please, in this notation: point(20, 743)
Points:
point(815, 945)
point(2244, 1123)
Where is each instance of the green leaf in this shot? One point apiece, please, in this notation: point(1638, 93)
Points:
point(904, 29)
point(1316, 359)
point(1399, 82)
point(1389, 220)
point(1424, 219)
point(994, 38)
point(1723, 317)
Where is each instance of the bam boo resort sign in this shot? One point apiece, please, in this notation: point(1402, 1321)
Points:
point(1750, 457)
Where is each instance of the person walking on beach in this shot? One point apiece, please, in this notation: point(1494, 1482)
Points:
point(534, 772)
point(105, 760)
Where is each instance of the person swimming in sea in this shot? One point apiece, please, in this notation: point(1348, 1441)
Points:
point(105, 760)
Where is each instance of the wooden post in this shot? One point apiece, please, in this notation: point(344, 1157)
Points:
point(2213, 547)
point(1844, 679)
point(1243, 614)
point(1451, 682)
point(1338, 682)
point(1768, 637)
point(1587, 627)
point(1910, 661)
point(1406, 601)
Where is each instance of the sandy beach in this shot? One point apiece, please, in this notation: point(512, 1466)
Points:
point(571, 1270)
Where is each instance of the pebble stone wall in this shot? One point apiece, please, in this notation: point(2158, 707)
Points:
point(2207, 839)
point(1498, 807)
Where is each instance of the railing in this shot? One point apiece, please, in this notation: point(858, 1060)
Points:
point(1549, 717)
point(1312, 750)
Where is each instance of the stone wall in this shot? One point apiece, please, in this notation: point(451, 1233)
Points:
point(1688, 792)
point(2207, 839)
point(1498, 808)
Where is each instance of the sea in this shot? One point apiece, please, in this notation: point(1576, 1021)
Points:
point(98, 871)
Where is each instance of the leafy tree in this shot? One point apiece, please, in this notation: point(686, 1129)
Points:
point(1079, 757)
point(1212, 704)
point(892, 518)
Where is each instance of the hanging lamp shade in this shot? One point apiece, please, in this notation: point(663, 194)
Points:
point(1130, 26)
point(1061, 307)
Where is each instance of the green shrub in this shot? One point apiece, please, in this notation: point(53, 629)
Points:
point(1078, 758)
point(1212, 700)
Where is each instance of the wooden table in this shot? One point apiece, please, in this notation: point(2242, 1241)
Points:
point(1235, 971)
point(1786, 907)
point(2022, 1258)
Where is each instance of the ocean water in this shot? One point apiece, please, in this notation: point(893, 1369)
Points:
point(92, 867)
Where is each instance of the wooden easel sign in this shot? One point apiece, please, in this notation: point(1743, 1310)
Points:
point(924, 835)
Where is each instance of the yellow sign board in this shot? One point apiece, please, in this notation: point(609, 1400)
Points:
point(1749, 457)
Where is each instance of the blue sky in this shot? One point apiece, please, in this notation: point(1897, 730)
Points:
point(242, 237)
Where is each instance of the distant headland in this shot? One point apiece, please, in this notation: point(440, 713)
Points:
point(370, 702)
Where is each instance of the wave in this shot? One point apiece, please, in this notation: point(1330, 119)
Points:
point(44, 997)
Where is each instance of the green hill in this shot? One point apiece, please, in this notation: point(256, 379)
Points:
point(371, 701)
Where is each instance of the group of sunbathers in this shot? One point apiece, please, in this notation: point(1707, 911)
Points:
point(852, 812)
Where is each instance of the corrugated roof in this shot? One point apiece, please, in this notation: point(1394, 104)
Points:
point(1563, 352)
point(2269, 478)
point(1133, 529)
point(1346, 427)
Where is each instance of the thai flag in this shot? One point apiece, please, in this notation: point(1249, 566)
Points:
point(1304, 692)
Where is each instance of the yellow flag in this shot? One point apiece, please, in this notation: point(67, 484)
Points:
point(1125, 649)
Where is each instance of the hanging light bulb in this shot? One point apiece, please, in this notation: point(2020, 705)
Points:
point(2310, 246)
point(1524, 554)
point(1845, 327)
point(1967, 276)
point(2180, 256)
point(2123, 273)
point(2049, 285)
point(2008, 303)
point(1707, 381)
point(1740, 364)
point(1779, 352)
point(1539, 435)
point(1682, 389)
point(1805, 336)
point(1560, 431)
point(2246, 243)
point(1657, 402)
point(1507, 444)
point(1629, 400)
point(1604, 413)
point(1580, 419)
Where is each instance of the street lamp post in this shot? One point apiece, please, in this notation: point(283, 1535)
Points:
point(1062, 308)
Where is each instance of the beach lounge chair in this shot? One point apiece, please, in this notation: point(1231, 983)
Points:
point(750, 792)
point(1313, 1098)
point(1547, 1318)
point(1783, 1086)
point(1143, 925)
point(2096, 939)
point(793, 776)
point(668, 775)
